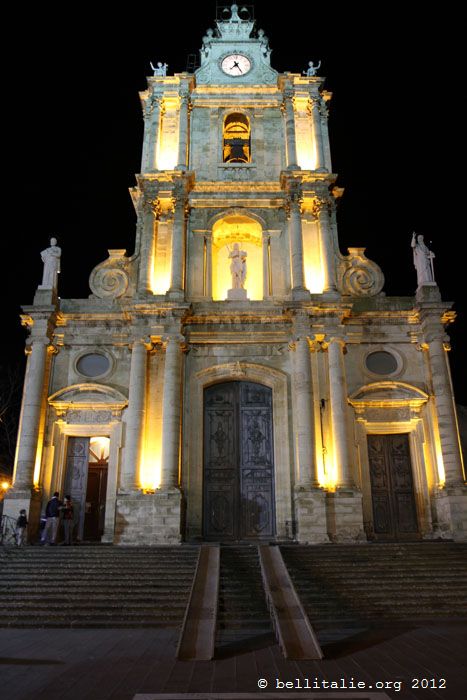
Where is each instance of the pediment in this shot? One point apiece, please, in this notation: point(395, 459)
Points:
point(88, 396)
point(386, 393)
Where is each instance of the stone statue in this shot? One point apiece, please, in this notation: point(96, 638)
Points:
point(312, 69)
point(51, 259)
point(423, 261)
point(160, 69)
point(238, 266)
point(264, 41)
point(207, 39)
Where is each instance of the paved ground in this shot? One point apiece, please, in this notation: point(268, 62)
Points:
point(109, 664)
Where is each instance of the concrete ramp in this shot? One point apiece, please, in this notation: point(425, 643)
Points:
point(292, 626)
point(198, 633)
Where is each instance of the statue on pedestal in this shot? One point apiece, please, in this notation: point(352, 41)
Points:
point(238, 271)
point(238, 266)
point(160, 69)
point(51, 259)
point(312, 68)
point(423, 261)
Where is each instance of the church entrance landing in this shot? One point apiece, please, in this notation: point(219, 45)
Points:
point(238, 462)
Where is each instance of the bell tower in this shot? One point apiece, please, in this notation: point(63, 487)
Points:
point(236, 153)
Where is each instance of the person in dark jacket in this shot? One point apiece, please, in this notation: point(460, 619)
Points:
point(21, 525)
point(68, 520)
point(52, 514)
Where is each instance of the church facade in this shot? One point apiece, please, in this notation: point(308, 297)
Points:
point(238, 378)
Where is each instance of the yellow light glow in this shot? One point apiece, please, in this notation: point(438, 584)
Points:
point(440, 464)
point(5, 485)
point(99, 448)
point(161, 267)
point(314, 272)
point(151, 467)
point(248, 233)
point(306, 149)
point(167, 148)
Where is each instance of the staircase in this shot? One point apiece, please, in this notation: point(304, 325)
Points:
point(243, 616)
point(95, 586)
point(345, 588)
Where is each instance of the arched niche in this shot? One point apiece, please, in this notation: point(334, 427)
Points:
point(248, 233)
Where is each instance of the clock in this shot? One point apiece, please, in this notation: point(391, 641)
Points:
point(235, 65)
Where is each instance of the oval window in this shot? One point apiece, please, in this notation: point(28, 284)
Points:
point(381, 362)
point(92, 365)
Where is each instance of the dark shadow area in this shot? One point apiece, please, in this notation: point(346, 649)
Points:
point(244, 646)
point(365, 639)
point(5, 661)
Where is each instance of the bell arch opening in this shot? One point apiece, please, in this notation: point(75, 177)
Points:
point(236, 146)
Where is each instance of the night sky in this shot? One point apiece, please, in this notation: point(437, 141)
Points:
point(76, 128)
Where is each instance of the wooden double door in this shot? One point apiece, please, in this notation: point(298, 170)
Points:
point(392, 491)
point(238, 499)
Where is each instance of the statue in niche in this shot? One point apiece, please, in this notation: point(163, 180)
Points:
point(160, 69)
point(423, 261)
point(312, 68)
point(238, 266)
point(51, 259)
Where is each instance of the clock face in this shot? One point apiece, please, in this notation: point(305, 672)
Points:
point(236, 65)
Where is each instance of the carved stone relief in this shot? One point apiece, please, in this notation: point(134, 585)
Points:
point(111, 278)
point(358, 276)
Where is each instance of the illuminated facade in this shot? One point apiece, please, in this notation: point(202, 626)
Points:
point(315, 408)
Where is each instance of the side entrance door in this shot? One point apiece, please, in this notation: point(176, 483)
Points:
point(238, 462)
point(392, 493)
point(86, 483)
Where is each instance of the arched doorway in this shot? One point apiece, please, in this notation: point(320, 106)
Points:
point(86, 482)
point(238, 489)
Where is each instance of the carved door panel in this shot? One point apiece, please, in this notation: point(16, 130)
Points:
point(394, 511)
point(238, 462)
point(76, 478)
point(95, 502)
point(220, 462)
point(256, 461)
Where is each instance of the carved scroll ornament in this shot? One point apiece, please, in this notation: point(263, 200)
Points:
point(358, 276)
point(110, 279)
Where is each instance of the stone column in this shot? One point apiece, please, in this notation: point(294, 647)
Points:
point(171, 412)
point(178, 247)
point(290, 130)
point(296, 244)
point(152, 118)
point(317, 134)
point(305, 456)
point(135, 415)
point(266, 270)
point(447, 420)
point(320, 210)
point(338, 400)
point(208, 270)
point(183, 132)
point(30, 415)
point(149, 212)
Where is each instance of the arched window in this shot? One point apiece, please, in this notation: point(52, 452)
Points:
point(237, 146)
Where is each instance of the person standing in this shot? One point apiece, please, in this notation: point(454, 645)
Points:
point(21, 525)
point(52, 514)
point(68, 520)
